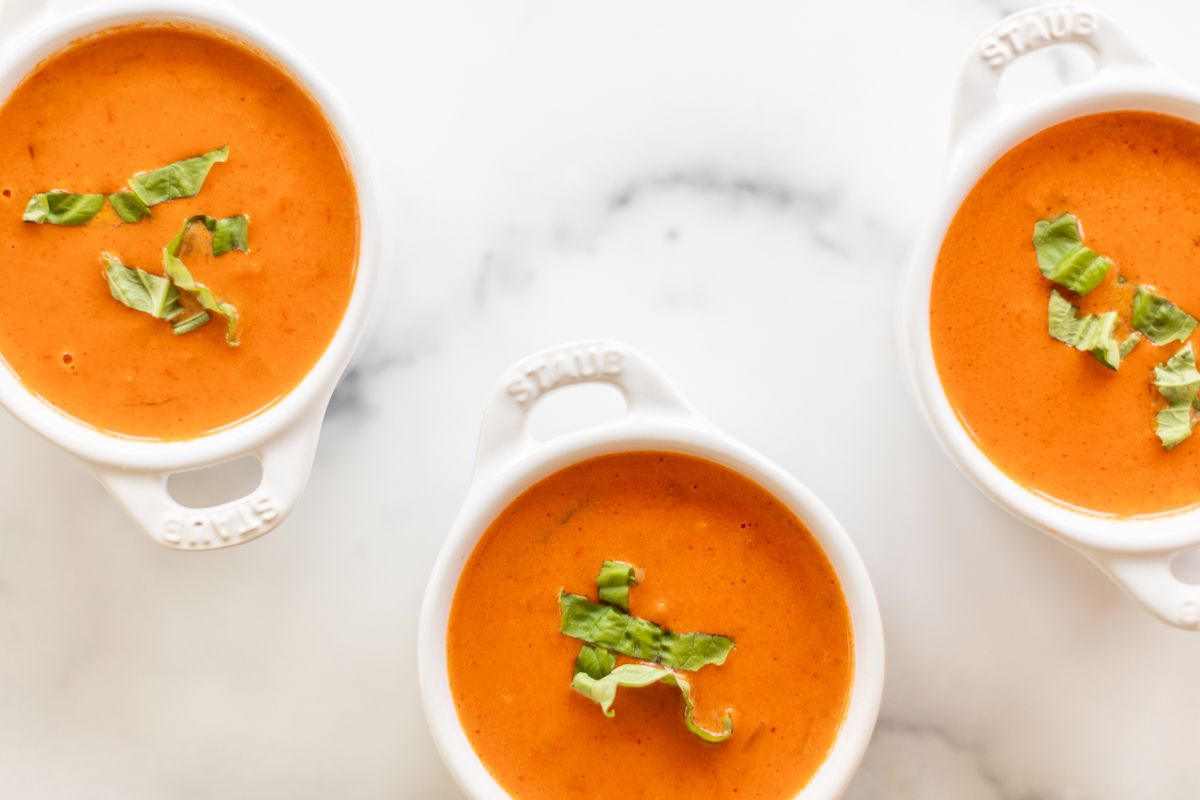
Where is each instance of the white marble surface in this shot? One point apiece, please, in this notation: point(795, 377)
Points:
point(711, 181)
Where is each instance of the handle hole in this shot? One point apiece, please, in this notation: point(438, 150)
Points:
point(1045, 71)
point(572, 408)
point(212, 486)
point(1185, 566)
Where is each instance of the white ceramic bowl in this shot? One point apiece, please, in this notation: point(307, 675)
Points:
point(284, 436)
point(657, 418)
point(1136, 553)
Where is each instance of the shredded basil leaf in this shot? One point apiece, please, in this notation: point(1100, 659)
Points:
point(128, 207)
point(614, 581)
point(62, 208)
point(691, 651)
point(1131, 341)
point(603, 692)
point(605, 626)
point(1161, 320)
point(1172, 425)
point(140, 290)
point(234, 234)
point(1178, 382)
point(1062, 257)
point(595, 661)
point(191, 323)
point(228, 233)
point(1092, 333)
point(174, 181)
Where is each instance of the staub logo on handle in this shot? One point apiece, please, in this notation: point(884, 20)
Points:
point(562, 367)
point(1035, 29)
point(240, 521)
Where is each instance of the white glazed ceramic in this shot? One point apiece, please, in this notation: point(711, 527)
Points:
point(284, 436)
point(1136, 553)
point(657, 417)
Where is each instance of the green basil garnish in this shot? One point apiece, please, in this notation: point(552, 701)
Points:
point(191, 323)
point(1062, 257)
point(614, 581)
point(128, 207)
point(228, 233)
point(182, 179)
point(1092, 333)
point(140, 290)
point(1161, 320)
point(605, 626)
point(603, 692)
point(1178, 382)
point(178, 180)
point(1131, 341)
point(691, 651)
point(595, 661)
point(62, 208)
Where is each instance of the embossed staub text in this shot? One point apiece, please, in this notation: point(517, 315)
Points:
point(235, 522)
point(1036, 28)
point(562, 367)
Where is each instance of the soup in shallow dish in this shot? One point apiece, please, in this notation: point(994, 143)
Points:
point(179, 321)
point(673, 603)
point(1049, 320)
point(154, 95)
point(715, 552)
point(1056, 419)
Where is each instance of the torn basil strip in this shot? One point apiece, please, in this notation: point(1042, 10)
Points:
point(191, 323)
point(234, 234)
point(178, 180)
point(228, 233)
point(1093, 333)
point(1131, 341)
point(1178, 382)
point(1159, 319)
point(1172, 425)
point(594, 661)
point(614, 581)
point(605, 626)
point(1062, 257)
point(603, 692)
point(62, 208)
point(691, 651)
point(128, 207)
point(140, 290)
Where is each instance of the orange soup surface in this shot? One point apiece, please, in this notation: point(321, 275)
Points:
point(1053, 418)
point(132, 99)
point(720, 555)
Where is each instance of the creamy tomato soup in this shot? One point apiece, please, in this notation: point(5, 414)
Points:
point(1052, 418)
point(133, 99)
point(715, 553)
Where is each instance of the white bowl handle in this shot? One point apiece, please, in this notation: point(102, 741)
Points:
point(648, 393)
point(286, 462)
point(1147, 578)
point(1026, 32)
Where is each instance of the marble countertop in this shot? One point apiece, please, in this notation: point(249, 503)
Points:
point(713, 182)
